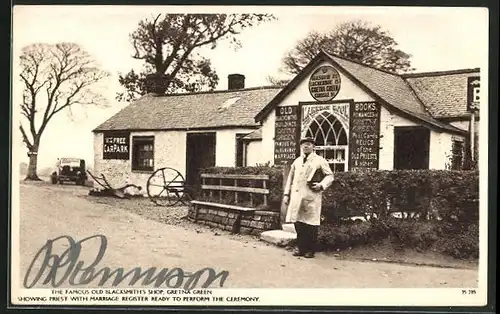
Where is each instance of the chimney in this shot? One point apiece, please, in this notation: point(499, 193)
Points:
point(235, 81)
point(156, 84)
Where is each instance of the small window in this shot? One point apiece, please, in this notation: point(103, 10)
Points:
point(457, 155)
point(143, 153)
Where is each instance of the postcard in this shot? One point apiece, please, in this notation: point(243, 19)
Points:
point(162, 156)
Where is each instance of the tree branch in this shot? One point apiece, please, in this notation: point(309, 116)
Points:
point(26, 140)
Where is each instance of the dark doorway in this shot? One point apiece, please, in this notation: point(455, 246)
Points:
point(240, 150)
point(411, 148)
point(200, 153)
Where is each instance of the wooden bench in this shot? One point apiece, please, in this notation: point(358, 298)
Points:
point(219, 188)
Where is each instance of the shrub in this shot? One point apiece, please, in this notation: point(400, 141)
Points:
point(447, 195)
point(458, 240)
point(403, 234)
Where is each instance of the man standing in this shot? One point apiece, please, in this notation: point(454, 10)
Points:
point(309, 175)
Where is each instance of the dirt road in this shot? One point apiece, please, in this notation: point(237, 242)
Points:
point(50, 211)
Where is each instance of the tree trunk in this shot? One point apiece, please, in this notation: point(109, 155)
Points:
point(32, 167)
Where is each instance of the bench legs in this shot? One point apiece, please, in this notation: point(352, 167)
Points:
point(235, 229)
point(196, 209)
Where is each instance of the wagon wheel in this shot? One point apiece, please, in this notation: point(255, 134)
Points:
point(165, 187)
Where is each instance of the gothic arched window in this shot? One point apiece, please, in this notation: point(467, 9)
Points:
point(331, 139)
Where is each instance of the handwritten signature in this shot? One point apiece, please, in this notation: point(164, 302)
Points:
point(68, 267)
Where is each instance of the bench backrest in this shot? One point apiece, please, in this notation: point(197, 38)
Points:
point(221, 184)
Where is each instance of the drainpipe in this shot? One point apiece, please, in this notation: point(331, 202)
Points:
point(472, 133)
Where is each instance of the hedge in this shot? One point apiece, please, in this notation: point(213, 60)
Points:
point(444, 195)
point(441, 194)
point(455, 239)
point(439, 208)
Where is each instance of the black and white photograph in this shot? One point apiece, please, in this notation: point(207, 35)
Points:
point(249, 156)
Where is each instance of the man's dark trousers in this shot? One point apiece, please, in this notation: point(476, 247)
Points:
point(306, 237)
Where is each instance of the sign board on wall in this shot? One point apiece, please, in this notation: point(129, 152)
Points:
point(473, 93)
point(286, 135)
point(364, 139)
point(324, 83)
point(116, 145)
point(340, 110)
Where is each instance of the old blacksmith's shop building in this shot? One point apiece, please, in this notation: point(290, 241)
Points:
point(361, 118)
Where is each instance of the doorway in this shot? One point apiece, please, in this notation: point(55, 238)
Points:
point(200, 153)
point(411, 148)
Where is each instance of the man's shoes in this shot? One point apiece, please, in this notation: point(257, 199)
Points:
point(309, 255)
point(297, 252)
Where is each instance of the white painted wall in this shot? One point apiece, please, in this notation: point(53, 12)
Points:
point(440, 150)
point(225, 147)
point(254, 153)
point(464, 125)
point(348, 90)
point(169, 151)
point(267, 148)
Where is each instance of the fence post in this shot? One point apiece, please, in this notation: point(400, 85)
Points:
point(284, 208)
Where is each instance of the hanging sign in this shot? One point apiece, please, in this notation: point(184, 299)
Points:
point(116, 145)
point(364, 138)
point(286, 135)
point(324, 83)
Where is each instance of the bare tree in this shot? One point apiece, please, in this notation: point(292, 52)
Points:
point(276, 81)
point(168, 45)
point(355, 40)
point(55, 78)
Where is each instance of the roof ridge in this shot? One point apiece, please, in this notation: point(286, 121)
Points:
point(220, 91)
point(424, 107)
point(362, 64)
point(440, 73)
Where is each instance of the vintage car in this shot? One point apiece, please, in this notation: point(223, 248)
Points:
point(69, 169)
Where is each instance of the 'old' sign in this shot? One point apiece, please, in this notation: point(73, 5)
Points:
point(324, 83)
point(286, 135)
point(116, 145)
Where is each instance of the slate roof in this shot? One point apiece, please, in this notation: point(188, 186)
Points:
point(393, 89)
point(215, 109)
point(444, 94)
point(389, 88)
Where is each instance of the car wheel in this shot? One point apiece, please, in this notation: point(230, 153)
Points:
point(53, 180)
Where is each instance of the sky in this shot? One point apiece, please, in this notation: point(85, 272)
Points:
point(436, 38)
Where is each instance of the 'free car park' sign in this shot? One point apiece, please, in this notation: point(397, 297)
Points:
point(116, 145)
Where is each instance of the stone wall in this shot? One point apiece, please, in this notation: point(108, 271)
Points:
point(251, 222)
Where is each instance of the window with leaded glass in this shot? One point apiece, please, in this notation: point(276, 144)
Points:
point(330, 138)
point(143, 153)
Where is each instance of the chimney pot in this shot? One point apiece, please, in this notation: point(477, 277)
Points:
point(235, 81)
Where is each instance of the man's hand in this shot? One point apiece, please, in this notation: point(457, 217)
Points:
point(316, 187)
point(286, 199)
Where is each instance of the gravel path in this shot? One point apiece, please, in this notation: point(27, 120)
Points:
point(152, 236)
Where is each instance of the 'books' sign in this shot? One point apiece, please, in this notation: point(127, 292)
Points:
point(364, 136)
point(116, 145)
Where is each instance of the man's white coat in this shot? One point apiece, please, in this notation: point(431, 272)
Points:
point(305, 204)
